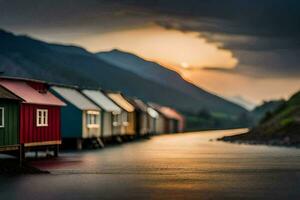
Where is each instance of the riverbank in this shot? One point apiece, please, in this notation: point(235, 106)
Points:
point(257, 139)
point(280, 127)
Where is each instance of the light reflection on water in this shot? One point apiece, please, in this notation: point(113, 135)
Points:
point(182, 166)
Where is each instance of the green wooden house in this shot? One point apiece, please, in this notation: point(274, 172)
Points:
point(9, 121)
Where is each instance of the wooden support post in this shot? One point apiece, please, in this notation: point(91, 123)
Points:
point(100, 143)
point(119, 139)
point(21, 154)
point(47, 152)
point(56, 150)
point(79, 144)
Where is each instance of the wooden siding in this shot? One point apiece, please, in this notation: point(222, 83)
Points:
point(177, 126)
point(117, 129)
point(144, 129)
point(171, 126)
point(107, 124)
point(141, 124)
point(152, 125)
point(123, 127)
point(9, 134)
point(90, 132)
point(30, 132)
point(71, 122)
point(160, 124)
point(130, 129)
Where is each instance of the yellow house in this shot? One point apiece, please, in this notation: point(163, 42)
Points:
point(128, 120)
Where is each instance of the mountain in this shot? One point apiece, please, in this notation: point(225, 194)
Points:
point(170, 79)
point(284, 121)
point(22, 56)
point(280, 127)
point(242, 102)
point(266, 107)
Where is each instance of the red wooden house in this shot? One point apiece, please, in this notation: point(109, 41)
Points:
point(39, 115)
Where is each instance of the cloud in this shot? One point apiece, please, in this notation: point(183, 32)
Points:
point(250, 17)
point(88, 17)
point(277, 63)
point(263, 35)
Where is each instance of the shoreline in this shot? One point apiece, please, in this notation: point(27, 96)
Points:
point(11, 166)
point(252, 139)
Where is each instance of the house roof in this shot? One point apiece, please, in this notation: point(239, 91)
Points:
point(139, 104)
point(152, 112)
point(74, 97)
point(5, 94)
point(155, 107)
point(121, 101)
point(171, 113)
point(102, 100)
point(167, 112)
point(29, 94)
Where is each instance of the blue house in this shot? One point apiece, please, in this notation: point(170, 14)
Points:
point(81, 118)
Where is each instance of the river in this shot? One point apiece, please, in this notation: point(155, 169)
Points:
point(177, 166)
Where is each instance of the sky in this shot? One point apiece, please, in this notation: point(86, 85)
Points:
point(234, 48)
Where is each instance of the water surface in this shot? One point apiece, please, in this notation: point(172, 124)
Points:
point(181, 166)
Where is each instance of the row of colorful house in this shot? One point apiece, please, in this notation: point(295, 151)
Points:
point(35, 115)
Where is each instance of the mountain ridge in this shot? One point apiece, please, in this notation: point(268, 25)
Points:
point(26, 57)
point(154, 71)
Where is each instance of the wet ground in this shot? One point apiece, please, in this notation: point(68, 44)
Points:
point(180, 166)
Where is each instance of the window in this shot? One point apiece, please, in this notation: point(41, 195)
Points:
point(93, 119)
point(125, 119)
point(116, 119)
point(41, 117)
point(1, 117)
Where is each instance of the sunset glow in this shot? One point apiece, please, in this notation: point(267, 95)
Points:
point(169, 47)
point(188, 53)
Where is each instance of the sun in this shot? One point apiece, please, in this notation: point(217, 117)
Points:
point(185, 65)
